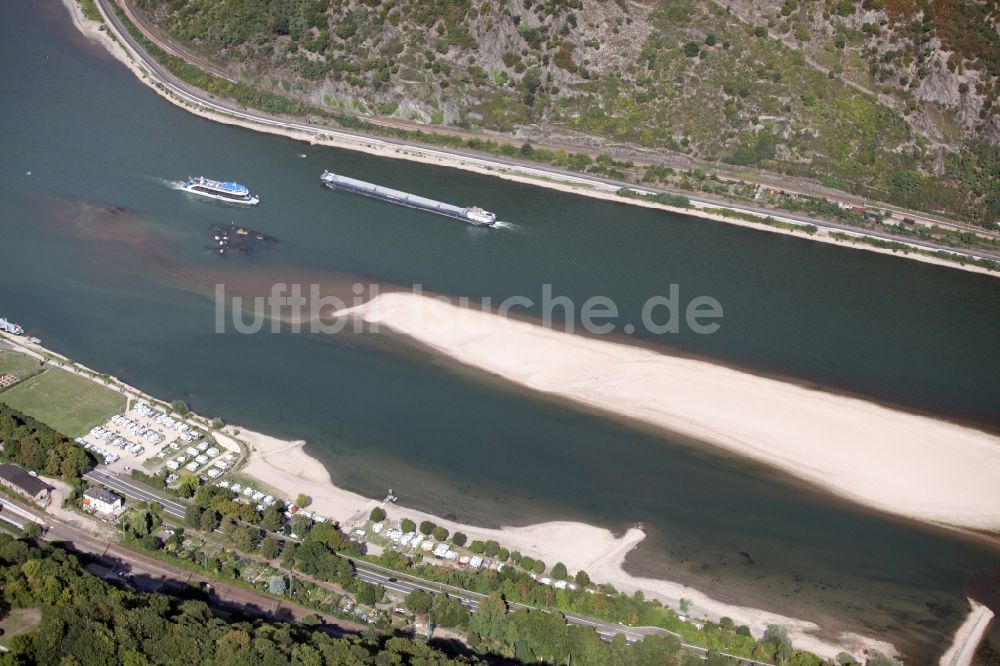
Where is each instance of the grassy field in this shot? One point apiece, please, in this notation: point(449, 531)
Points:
point(17, 363)
point(20, 621)
point(66, 402)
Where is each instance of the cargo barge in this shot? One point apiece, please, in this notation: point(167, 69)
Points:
point(472, 215)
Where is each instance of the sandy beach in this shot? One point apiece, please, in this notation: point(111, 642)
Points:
point(963, 648)
point(521, 174)
point(285, 465)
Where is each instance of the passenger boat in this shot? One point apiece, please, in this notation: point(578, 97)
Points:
point(220, 191)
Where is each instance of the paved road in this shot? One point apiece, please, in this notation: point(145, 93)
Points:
point(126, 486)
point(203, 100)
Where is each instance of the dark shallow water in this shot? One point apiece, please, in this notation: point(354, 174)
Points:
point(108, 264)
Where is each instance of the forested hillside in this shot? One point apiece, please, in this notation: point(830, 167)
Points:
point(890, 98)
point(84, 621)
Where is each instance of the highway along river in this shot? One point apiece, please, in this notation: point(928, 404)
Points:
point(109, 264)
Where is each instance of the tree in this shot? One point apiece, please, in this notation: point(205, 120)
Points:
point(539, 567)
point(302, 500)
point(491, 548)
point(503, 554)
point(272, 520)
point(31, 530)
point(277, 585)
point(301, 526)
point(527, 563)
point(192, 515)
point(488, 621)
point(477, 547)
point(188, 485)
point(426, 527)
point(407, 526)
point(459, 539)
point(369, 594)
point(419, 601)
point(691, 49)
point(218, 423)
point(377, 515)
point(582, 579)
point(208, 521)
point(440, 533)
point(246, 538)
point(328, 535)
point(559, 571)
point(269, 548)
point(180, 407)
point(777, 635)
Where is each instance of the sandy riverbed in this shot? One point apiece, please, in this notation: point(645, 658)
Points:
point(894, 461)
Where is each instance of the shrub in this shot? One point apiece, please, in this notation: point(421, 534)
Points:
point(377, 515)
point(459, 539)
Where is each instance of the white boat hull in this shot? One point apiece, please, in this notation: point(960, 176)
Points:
point(252, 201)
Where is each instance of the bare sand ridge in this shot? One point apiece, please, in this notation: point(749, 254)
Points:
point(890, 460)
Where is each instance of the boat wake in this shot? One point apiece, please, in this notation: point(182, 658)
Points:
point(172, 184)
point(503, 224)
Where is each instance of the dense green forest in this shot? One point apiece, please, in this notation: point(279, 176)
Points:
point(85, 621)
point(35, 446)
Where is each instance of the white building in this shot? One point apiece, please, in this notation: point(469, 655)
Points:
point(101, 500)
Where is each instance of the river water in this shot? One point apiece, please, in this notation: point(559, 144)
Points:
point(108, 264)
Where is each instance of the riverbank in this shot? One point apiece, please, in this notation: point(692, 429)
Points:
point(580, 185)
point(286, 465)
point(901, 463)
point(968, 636)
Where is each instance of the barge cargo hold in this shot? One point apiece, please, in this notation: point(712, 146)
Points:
point(472, 215)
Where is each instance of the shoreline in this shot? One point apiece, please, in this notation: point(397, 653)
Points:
point(286, 465)
point(291, 467)
point(379, 148)
point(962, 650)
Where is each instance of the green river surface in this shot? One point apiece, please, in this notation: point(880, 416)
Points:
point(108, 264)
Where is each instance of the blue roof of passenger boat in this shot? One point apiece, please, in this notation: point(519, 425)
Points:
point(232, 187)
